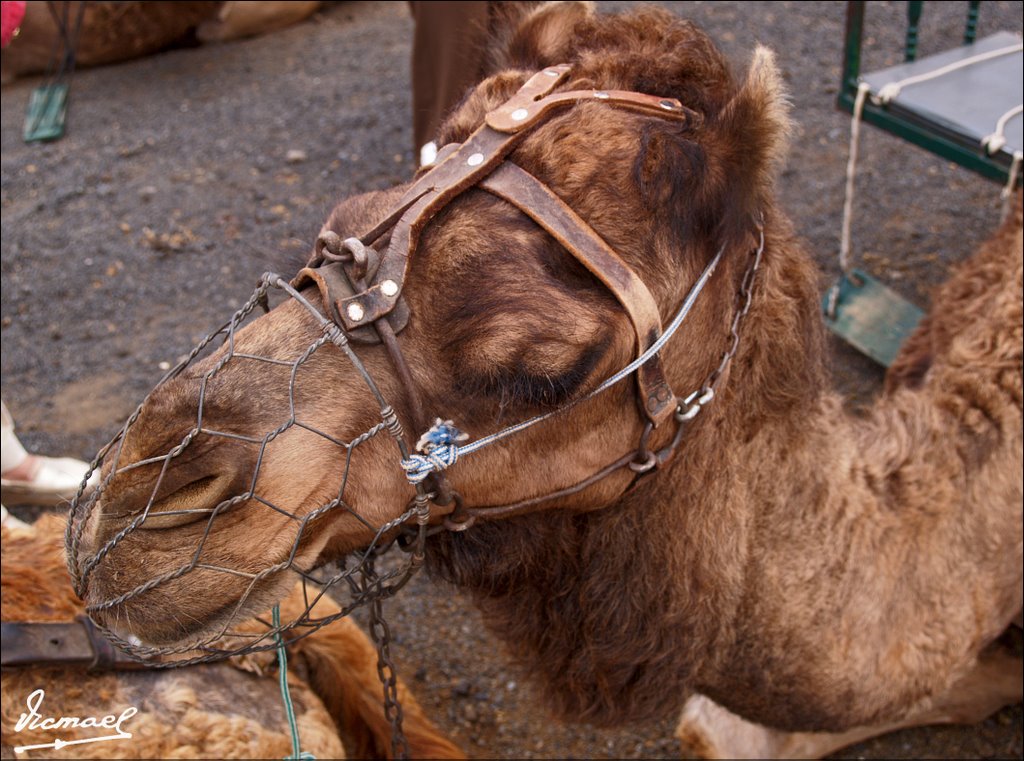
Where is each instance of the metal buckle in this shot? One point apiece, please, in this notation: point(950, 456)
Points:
point(649, 459)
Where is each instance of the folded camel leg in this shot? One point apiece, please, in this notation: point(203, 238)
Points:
point(706, 730)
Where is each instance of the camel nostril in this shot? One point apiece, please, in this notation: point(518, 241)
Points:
point(192, 502)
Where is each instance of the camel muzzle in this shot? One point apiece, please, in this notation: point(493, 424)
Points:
point(180, 490)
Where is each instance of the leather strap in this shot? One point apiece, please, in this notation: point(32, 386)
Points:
point(503, 130)
point(520, 113)
point(335, 287)
point(51, 644)
point(524, 191)
point(475, 159)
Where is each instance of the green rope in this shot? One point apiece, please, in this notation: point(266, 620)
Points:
point(282, 662)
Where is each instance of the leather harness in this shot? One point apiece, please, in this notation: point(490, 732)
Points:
point(361, 289)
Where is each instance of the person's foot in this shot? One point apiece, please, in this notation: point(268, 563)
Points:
point(45, 481)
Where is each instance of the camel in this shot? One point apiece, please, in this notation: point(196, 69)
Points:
point(793, 564)
point(229, 709)
point(117, 31)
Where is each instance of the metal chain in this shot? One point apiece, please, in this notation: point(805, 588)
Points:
point(380, 633)
point(691, 405)
point(743, 301)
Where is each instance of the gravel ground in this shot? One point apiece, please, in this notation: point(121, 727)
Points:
point(185, 175)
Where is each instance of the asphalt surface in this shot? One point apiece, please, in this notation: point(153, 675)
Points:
point(186, 175)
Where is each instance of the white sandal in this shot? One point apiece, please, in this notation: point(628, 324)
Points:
point(55, 480)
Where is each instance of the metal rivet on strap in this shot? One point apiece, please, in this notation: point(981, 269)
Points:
point(601, 94)
point(669, 105)
point(476, 159)
point(355, 312)
point(519, 114)
point(388, 288)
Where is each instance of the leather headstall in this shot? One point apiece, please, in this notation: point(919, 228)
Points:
point(362, 290)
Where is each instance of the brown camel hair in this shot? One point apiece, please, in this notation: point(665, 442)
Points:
point(224, 710)
point(708, 730)
point(805, 568)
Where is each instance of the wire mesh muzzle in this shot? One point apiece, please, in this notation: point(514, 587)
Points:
point(353, 581)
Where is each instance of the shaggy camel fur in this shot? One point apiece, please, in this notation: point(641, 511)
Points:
point(804, 568)
point(224, 710)
point(991, 276)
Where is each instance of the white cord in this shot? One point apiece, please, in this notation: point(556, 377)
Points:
point(994, 142)
point(892, 90)
point(851, 173)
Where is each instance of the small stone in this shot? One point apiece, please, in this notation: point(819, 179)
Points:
point(165, 365)
point(462, 688)
point(295, 156)
point(469, 712)
point(146, 193)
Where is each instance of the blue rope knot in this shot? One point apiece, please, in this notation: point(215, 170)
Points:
point(439, 450)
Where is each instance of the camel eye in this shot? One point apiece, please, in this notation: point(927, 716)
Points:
point(530, 378)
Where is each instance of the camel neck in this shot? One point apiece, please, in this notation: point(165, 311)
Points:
point(599, 602)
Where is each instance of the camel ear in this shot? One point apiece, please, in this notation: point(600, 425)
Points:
point(755, 127)
point(543, 37)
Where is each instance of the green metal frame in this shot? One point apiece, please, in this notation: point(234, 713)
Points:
point(871, 317)
point(915, 130)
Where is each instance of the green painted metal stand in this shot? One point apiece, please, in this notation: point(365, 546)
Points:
point(864, 312)
point(48, 105)
point(47, 113)
point(919, 133)
point(871, 317)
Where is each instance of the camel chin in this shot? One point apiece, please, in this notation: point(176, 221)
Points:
point(159, 618)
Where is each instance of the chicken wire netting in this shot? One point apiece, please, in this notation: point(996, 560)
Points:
point(352, 582)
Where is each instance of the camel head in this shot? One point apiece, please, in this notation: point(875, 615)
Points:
point(269, 455)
